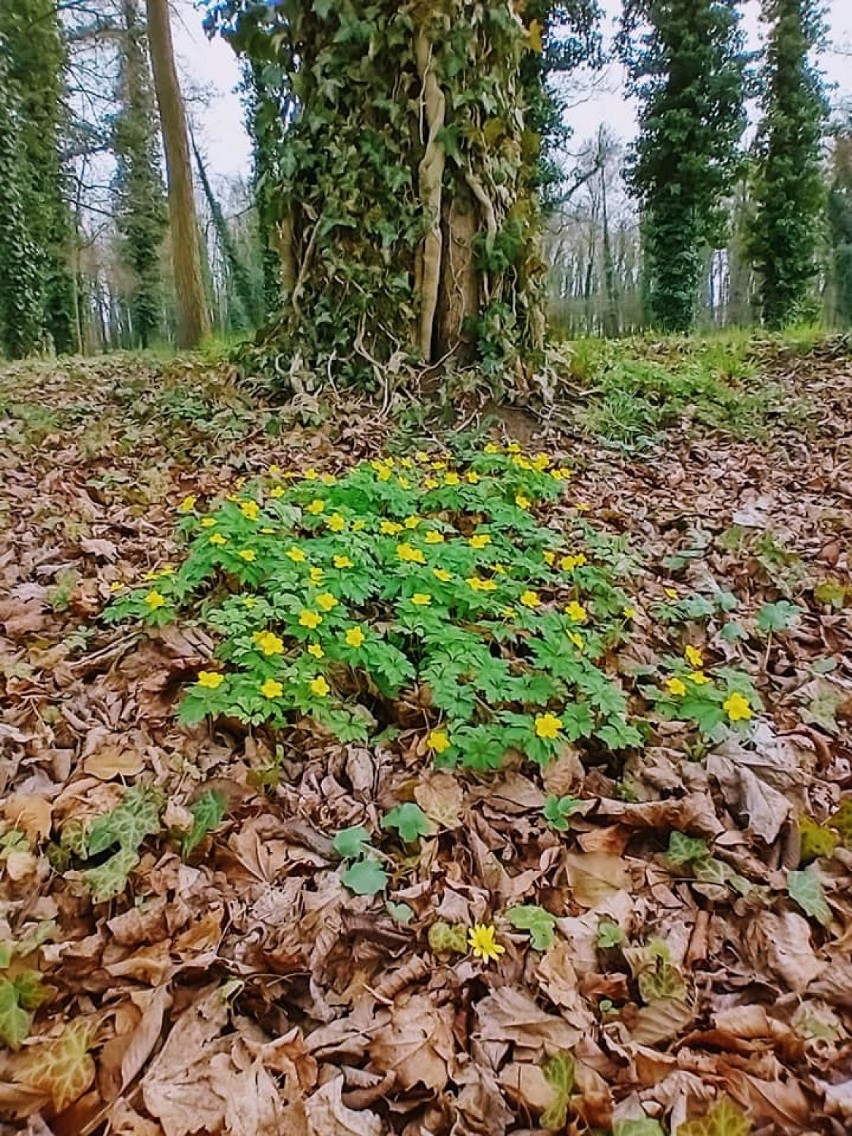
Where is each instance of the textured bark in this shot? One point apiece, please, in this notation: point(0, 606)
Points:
point(431, 173)
point(193, 316)
point(459, 291)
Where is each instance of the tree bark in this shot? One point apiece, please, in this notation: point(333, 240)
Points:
point(193, 316)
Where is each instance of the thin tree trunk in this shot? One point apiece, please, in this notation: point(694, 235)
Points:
point(193, 317)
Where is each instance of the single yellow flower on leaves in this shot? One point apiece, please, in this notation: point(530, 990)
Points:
point(317, 651)
point(699, 678)
point(326, 601)
point(531, 599)
point(472, 477)
point(268, 642)
point(311, 474)
point(336, 523)
point(249, 602)
point(508, 613)
point(296, 555)
point(247, 554)
point(438, 741)
point(514, 448)
point(154, 600)
point(490, 448)
point(576, 612)
point(547, 726)
point(316, 506)
point(316, 575)
point(442, 574)
point(328, 479)
point(320, 687)
point(694, 657)
point(629, 612)
point(430, 483)
point(355, 637)
point(548, 557)
point(452, 479)
point(482, 942)
point(277, 491)
point(671, 593)
point(210, 680)
point(250, 510)
point(409, 553)
point(676, 686)
point(479, 540)
point(359, 524)
point(218, 539)
point(187, 504)
point(522, 501)
point(208, 522)
point(434, 537)
point(271, 688)
point(412, 522)
point(577, 639)
point(389, 528)
point(342, 562)
point(310, 619)
point(569, 563)
point(737, 708)
point(421, 599)
point(384, 474)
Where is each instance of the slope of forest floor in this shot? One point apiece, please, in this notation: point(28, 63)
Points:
point(338, 1019)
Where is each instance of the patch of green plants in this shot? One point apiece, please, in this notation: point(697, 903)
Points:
point(22, 989)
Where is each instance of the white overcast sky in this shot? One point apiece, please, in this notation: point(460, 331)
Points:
point(212, 67)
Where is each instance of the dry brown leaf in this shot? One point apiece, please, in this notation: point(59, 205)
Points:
point(440, 797)
point(415, 1043)
point(329, 1116)
point(594, 876)
point(511, 1015)
point(30, 814)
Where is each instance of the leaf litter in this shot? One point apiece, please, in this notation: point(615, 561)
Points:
point(676, 931)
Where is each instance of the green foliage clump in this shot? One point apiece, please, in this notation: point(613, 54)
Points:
point(686, 63)
point(789, 187)
point(410, 585)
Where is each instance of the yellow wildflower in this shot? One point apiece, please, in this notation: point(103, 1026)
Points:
point(336, 523)
point(522, 502)
point(210, 680)
point(247, 554)
point(217, 538)
point(576, 612)
point(442, 574)
point(472, 477)
point(577, 639)
point(694, 657)
point(354, 637)
point(296, 554)
point(737, 708)
point(317, 651)
point(452, 479)
point(412, 522)
point(116, 586)
point(277, 491)
point(676, 686)
point(316, 575)
point(434, 537)
point(154, 600)
point(583, 506)
point(569, 563)
point(508, 613)
point(421, 599)
point(249, 602)
point(268, 642)
point(310, 619)
point(438, 741)
point(699, 678)
point(430, 483)
point(271, 688)
point(274, 470)
point(389, 528)
point(438, 464)
point(531, 599)
point(547, 726)
point(561, 474)
point(671, 593)
point(320, 687)
point(359, 525)
point(250, 510)
point(208, 522)
point(409, 553)
point(342, 562)
point(316, 506)
point(548, 557)
point(326, 601)
point(403, 483)
point(384, 474)
point(513, 448)
point(479, 540)
point(311, 474)
point(421, 456)
point(629, 612)
point(187, 504)
point(328, 479)
point(490, 448)
point(483, 944)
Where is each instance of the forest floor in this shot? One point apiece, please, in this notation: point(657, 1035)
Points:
point(243, 989)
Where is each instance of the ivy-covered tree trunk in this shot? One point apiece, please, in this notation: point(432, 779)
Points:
point(789, 187)
point(410, 215)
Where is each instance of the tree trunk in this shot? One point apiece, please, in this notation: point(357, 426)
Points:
point(193, 317)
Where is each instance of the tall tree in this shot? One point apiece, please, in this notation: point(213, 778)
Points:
point(410, 173)
point(687, 65)
point(33, 80)
point(138, 185)
point(193, 316)
point(840, 227)
point(789, 189)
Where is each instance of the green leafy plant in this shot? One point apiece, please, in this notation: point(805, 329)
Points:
point(540, 924)
point(805, 887)
point(410, 822)
point(208, 812)
point(557, 811)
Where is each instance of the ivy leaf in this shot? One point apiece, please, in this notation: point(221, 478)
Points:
point(537, 921)
point(609, 935)
point(365, 877)
point(723, 1119)
point(777, 616)
point(401, 912)
point(806, 889)
point(32, 992)
point(14, 1021)
point(410, 822)
point(350, 843)
point(62, 1066)
point(685, 849)
point(557, 810)
point(109, 879)
point(642, 1126)
point(559, 1073)
point(209, 811)
point(129, 823)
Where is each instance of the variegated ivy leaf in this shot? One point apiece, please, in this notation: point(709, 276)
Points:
point(208, 813)
point(806, 889)
point(61, 1067)
point(109, 879)
point(129, 823)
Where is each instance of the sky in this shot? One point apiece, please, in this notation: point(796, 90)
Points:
point(210, 66)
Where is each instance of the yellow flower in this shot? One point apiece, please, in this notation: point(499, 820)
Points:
point(483, 944)
point(326, 601)
point(250, 510)
point(116, 586)
point(317, 651)
point(671, 593)
point(562, 474)
point(384, 474)
point(490, 448)
point(403, 483)
point(311, 474)
point(274, 470)
point(296, 554)
point(421, 456)
point(316, 575)
point(328, 479)
point(430, 483)
point(531, 599)
point(210, 680)
point(438, 741)
point(240, 482)
point(208, 522)
point(513, 448)
point(583, 507)
point(433, 537)
point(409, 553)
point(576, 612)
point(569, 563)
point(676, 686)
point(218, 539)
point(267, 532)
point(471, 477)
point(310, 619)
point(187, 504)
point(342, 562)
point(737, 708)
point(547, 726)
point(479, 540)
point(247, 554)
point(249, 602)
point(316, 506)
point(699, 678)
point(442, 574)
point(541, 462)
point(694, 657)
point(336, 523)
point(474, 582)
point(421, 599)
point(271, 689)
point(406, 463)
point(359, 525)
point(155, 600)
point(577, 639)
point(320, 687)
point(508, 613)
point(438, 465)
point(389, 528)
point(629, 612)
point(354, 637)
point(277, 491)
point(412, 522)
point(268, 642)
point(548, 557)
point(451, 479)
point(522, 502)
